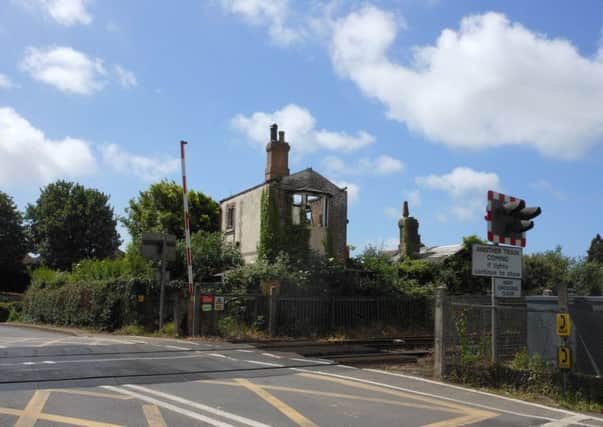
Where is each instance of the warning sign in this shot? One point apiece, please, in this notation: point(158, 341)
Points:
point(207, 299)
point(565, 358)
point(563, 324)
point(496, 261)
point(507, 288)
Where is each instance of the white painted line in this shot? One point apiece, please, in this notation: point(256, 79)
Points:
point(568, 421)
point(166, 405)
point(257, 362)
point(420, 393)
point(214, 411)
point(245, 351)
point(175, 347)
point(217, 355)
point(321, 362)
point(116, 359)
point(2, 346)
point(271, 355)
point(484, 393)
point(49, 362)
point(347, 366)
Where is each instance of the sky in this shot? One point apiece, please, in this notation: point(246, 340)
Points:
point(431, 101)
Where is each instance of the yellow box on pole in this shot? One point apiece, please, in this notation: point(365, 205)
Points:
point(565, 358)
point(563, 324)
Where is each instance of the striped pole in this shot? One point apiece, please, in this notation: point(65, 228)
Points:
point(187, 230)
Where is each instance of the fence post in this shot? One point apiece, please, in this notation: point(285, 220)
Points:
point(439, 345)
point(273, 310)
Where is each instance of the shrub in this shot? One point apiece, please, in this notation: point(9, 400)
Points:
point(168, 330)
point(4, 312)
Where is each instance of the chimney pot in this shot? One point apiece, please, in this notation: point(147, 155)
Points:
point(405, 213)
point(273, 131)
point(281, 136)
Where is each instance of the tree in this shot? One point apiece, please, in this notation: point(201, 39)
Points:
point(160, 209)
point(13, 245)
point(69, 223)
point(545, 270)
point(456, 272)
point(595, 252)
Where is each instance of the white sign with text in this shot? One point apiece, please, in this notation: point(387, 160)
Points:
point(496, 261)
point(507, 288)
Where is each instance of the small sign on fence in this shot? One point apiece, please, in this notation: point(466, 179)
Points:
point(563, 324)
point(565, 358)
point(207, 299)
point(206, 307)
point(219, 303)
point(507, 288)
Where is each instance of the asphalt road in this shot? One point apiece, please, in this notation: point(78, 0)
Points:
point(51, 379)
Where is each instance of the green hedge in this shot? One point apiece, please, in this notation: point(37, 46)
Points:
point(4, 311)
point(100, 304)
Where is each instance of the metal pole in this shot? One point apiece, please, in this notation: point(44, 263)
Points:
point(494, 325)
point(187, 236)
point(162, 279)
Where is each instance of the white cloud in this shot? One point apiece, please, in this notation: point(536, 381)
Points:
point(5, 82)
point(146, 168)
point(64, 12)
point(65, 68)
point(301, 132)
point(382, 165)
point(272, 14)
point(467, 188)
point(353, 190)
point(125, 77)
point(29, 156)
point(489, 83)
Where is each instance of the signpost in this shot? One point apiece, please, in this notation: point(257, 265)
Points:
point(563, 324)
point(160, 247)
point(565, 358)
point(219, 303)
point(507, 288)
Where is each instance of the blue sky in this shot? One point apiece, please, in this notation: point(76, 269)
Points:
point(428, 101)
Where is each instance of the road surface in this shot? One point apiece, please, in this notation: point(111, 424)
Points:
point(53, 379)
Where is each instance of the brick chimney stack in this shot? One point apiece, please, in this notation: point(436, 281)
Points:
point(277, 164)
point(410, 239)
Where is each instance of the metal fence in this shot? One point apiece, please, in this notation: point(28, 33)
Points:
point(308, 316)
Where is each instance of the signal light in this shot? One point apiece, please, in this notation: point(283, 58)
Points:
point(509, 219)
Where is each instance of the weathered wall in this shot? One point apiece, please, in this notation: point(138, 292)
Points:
point(247, 222)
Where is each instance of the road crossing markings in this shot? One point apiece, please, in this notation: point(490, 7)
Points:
point(470, 415)
point(330, 394)
point(274, 356)
point(91, 394)
point(257, 362)
point(169, 406)
point(153, 416)
point(285, 409)
point(469, 390)
point(33, 409)
point(245, 351)
point(321, 362)
point(200, 406)
point(175, 347)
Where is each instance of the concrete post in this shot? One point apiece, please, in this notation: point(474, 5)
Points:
point(273, 310)
point(439, 333)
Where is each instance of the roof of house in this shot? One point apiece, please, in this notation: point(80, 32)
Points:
point(289, 183)
point(434, 253)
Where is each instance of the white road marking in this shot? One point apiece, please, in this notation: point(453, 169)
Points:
point(49, 362)
point(166, 405)
point(245, 351)
point(347, 366)
point(214, 411)
point(2, 346)
point(217, 355)
point(116, 359)
point(484, 393)
point(322, 362)
point(257, 362)
point(420, 393)
point(271, 355)
point(568, 421)
point(175, 347)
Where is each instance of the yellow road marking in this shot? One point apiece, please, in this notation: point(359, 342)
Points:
point(287, 410)
point(334, 395)
point(33, 409)
point(59, 419)
point(51, 342)
point(153, 416)
point(475, 414)
point(93, 394)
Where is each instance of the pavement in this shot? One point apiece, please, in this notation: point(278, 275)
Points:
point(54, 379)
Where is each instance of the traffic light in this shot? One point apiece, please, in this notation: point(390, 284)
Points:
point(509, 218)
